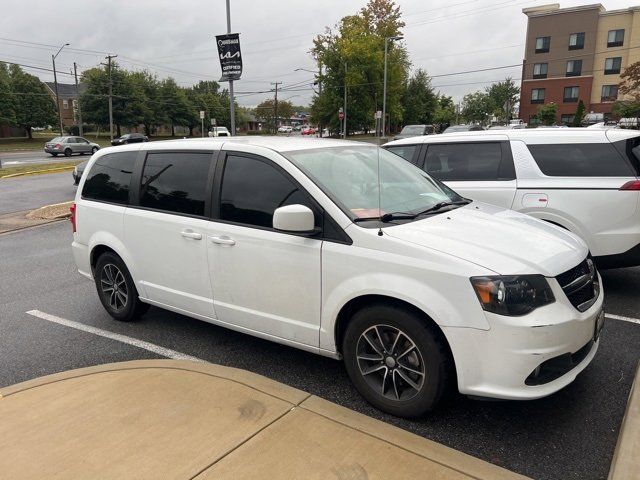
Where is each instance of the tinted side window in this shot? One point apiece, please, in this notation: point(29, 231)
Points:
point(109, 178)
point(580, 160)
point(405, 151)
point(175, 181)
point(252, 190)
point(464, 161)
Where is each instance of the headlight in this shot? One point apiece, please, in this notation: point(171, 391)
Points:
point(512, 295)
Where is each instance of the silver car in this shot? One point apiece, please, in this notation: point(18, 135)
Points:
point(67, 146)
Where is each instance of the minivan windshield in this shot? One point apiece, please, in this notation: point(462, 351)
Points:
point(349, 176)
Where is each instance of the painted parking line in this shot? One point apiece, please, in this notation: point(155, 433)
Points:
point(624, 319)
point(165, 352)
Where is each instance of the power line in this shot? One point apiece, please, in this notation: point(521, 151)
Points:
point(36, 68)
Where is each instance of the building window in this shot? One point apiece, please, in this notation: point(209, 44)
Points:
point(540, 70)
point(615, 38)
point(576, 41)
point(65, 104)
point(574, 68)
point(537, 95)
point(571, 94)
point(567, 119)
point(542, 44)
point(612, 65)
point(609, 93)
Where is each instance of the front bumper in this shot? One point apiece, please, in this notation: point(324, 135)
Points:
point(500, 362)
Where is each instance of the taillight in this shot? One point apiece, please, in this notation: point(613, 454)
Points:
point(73, 217)
point(632, 185)
point(58, 146)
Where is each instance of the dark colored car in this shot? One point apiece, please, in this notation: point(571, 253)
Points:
point(130, 138)
point(463, 128)
point(77, 171)
point(415, 131)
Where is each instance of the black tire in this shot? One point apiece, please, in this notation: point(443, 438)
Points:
point(67, 152)
point(123, 311)
point(54, 154)
point(94, 150)
point(428, 355)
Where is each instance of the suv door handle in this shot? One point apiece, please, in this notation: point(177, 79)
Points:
point(188, 233)
point(223, 240)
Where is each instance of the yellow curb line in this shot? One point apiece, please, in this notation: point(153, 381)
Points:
point(34, 172)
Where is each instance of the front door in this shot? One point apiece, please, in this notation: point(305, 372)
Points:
point(166, 231)
point(263, 280)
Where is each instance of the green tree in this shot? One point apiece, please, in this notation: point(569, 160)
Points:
point(175, 104)
point(445, 113)
point(151, 110)
point(359, 42)
point(34, 107)
point(580, 111)
point(420, 101)
point(477, 107)
point(7, 98)
point(266, 111)
point(547, 114)
point(504, 97)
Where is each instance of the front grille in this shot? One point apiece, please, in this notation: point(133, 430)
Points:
point(580, 284)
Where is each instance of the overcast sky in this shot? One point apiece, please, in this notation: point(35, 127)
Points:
point(175, 38)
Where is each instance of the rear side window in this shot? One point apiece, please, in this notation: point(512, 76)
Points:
point(110, 177)
point(580, 160)
point(252, 190)
point(468, 161)
point(405, 151)
point(175, 182)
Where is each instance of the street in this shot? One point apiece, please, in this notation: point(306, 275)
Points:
point(10, 159)
point(24, 193)
point(571, 434)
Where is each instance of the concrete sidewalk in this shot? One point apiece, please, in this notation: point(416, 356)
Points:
point(176, 419)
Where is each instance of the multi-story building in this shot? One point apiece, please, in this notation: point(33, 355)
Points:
point(574, 54)
point(68, 103)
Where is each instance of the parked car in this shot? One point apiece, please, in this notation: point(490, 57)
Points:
point(285, 129)
point(129, 138)
point(77, 172)
point(219, 132)
point(308, 130)
point(288, 239)
point(463, 128)
point(415, 131)
point(584, 180)
point(69, 145)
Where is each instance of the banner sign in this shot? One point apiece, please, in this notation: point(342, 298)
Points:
point(230, 56)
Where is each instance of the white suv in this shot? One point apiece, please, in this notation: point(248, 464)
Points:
point(292, 240)
point(583, 180)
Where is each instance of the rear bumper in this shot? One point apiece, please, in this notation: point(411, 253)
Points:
point(630, 258)
point(81, 257)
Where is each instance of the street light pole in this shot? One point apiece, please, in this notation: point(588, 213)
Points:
point(319, 74)
point(384, 87)
point(344, 133)
point(55, 81)
point(231, 97)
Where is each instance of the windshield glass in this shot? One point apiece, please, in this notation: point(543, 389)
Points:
point(412, 130)
point(349, 176)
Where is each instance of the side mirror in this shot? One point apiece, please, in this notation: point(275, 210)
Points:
point(294, 219)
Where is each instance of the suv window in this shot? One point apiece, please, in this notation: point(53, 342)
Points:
point(468, 161)
point(580, 160)
point(109, 178)
point(175, 182)
point(252, 189)
point(405, 151)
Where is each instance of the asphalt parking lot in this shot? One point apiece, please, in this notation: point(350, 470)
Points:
point(571, 434)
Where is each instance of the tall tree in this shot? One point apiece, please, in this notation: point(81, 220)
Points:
point(445, 113)
point(420, 101)
point(7, 98)
point(504, 97)
point(266, 111)
point(477, 107)
point(175, 103)
point(577, 118)
point(34, 106)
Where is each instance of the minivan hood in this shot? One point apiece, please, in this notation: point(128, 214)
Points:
point(500, 240)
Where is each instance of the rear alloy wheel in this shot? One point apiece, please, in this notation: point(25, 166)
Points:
point(395, 360)
point(116, 289)
point(67, 152)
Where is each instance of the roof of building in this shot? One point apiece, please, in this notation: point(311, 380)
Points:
point(67, 90)
point(554, 9)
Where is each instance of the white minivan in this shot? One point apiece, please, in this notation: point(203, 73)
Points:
point(346, 250)
point(584, 180)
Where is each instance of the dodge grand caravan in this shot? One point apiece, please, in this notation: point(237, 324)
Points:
point(586, 181)
point(302, 242)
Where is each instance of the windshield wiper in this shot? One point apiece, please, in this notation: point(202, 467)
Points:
point(441, 205)
point(387, 217)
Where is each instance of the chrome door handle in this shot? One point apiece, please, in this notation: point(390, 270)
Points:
point(188, 233)
point(223, 240)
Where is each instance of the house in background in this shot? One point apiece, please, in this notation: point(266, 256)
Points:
point(68, 101)
point(575, 54)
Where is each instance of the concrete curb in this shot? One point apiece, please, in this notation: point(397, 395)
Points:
point(626, 459)
point(180, 419)
point(49, 212)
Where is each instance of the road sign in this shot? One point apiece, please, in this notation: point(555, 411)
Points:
point(378, 114)
point(201, 114)
point(213, 122)
point(341, 114)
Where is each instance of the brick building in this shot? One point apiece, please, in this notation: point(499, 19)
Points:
point(68, 101)
point(574, 54)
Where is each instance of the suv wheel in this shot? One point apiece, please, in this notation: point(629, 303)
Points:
point(395, 360)
point(116, 289)
point(67, 152)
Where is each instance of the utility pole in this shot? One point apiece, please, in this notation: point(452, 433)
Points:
point(231, 97)
point(344, 107)
point(109, 57)
point(275, 107)
point(55, 81)
point(75, 73)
